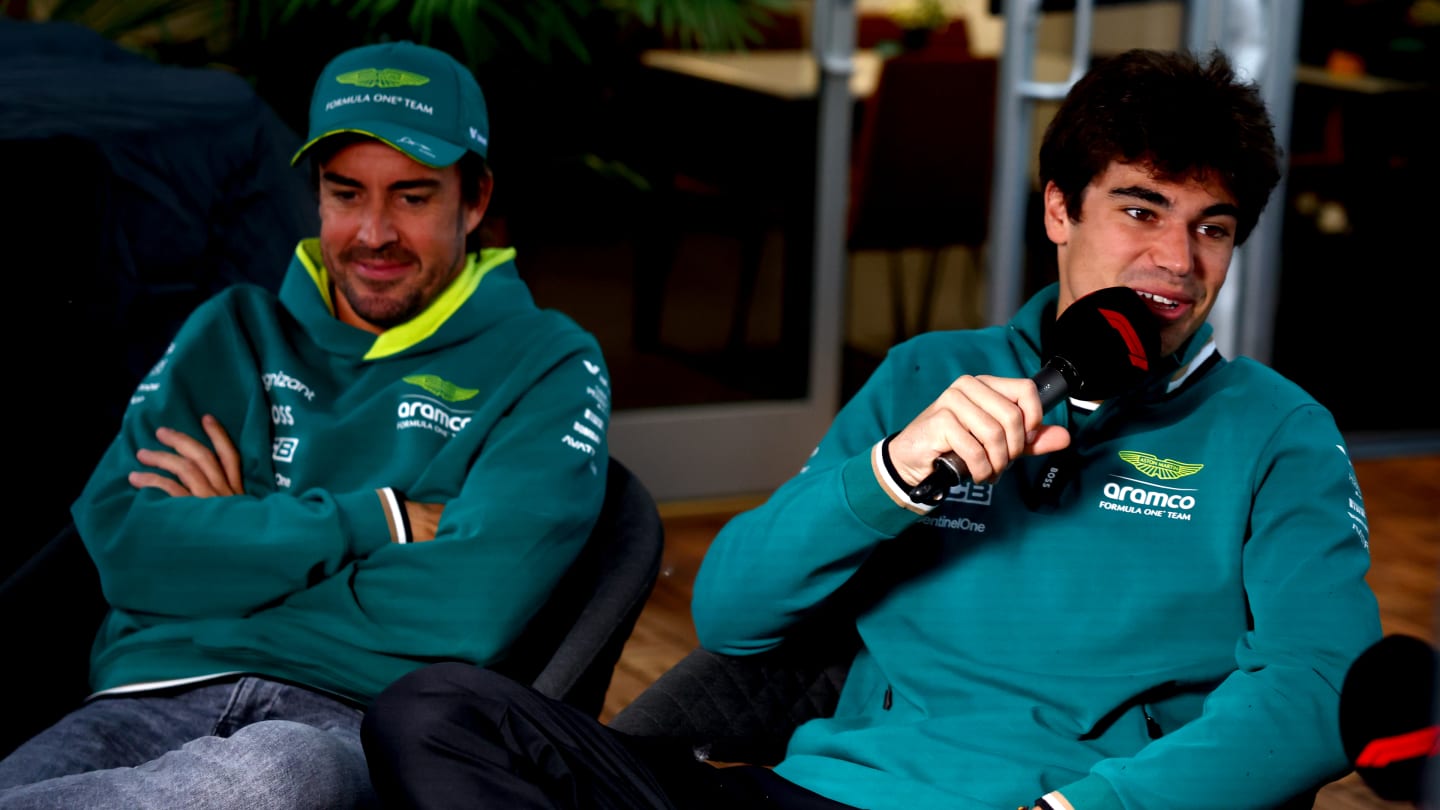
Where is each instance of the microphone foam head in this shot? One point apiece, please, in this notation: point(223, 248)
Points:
point(1387, 715)
point(1110, 341)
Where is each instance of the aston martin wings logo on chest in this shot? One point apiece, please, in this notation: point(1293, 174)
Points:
point(1166, 469)
point(444, 389)
point(382, 77)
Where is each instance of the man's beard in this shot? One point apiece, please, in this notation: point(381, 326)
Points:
point(379, 310)
point(368, 300)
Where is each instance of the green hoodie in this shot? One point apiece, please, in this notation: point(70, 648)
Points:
point(1162, 622)
point(482, 402)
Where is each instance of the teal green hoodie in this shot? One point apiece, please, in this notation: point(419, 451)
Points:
point(482, 402)
point(1160, 619)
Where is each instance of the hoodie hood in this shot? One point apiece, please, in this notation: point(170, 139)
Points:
point(457, 313)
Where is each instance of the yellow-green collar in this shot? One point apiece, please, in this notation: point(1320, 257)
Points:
point(398, 338)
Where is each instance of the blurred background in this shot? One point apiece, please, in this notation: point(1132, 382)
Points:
point(661, 167)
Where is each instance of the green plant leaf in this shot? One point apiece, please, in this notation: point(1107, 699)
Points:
point(543, 30)
point(713, 25)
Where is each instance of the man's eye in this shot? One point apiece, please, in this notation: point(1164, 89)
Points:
point(414, 199)
point(1215, 231)
point(342, 194)
point(1144, 214)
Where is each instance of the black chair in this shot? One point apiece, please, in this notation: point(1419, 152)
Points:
point(742, 709)
point(569, 650)
point(51, 607)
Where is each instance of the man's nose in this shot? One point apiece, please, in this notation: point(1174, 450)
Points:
point(376, 227)
point(1173, 249)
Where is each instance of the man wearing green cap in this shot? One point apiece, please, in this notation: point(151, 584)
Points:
point(315, 493)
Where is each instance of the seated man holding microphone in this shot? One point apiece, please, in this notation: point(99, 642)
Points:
point(1145, 596)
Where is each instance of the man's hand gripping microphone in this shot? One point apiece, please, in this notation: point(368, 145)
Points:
point(1104, 344)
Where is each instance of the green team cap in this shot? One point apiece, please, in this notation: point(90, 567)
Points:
point(412, 97)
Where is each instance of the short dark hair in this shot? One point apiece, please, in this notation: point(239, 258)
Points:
point(1183, 117)
point(474, 173)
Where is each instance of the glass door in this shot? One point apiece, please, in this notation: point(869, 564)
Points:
point(698, 239)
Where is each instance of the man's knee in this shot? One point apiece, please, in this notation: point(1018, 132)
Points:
point(440, 694)
point(297, 765)
point(423, 704)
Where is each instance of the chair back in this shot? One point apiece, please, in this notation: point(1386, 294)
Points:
point(569, 649)
point(923, 157)
point(51, 607)
point(743, 708)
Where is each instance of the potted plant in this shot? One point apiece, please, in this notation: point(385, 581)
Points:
point(918, 19)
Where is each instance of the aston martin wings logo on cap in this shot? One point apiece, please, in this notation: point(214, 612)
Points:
point(382, 77)
point(1166, 469)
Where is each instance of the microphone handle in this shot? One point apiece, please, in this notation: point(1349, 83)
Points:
point(1053, 386)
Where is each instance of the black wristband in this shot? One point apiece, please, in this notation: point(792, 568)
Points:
point(906, 489)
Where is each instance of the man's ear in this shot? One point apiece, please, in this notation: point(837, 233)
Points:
point(1057, 217)
point(475, 211)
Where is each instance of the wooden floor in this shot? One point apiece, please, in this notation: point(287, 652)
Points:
point(1402, 500)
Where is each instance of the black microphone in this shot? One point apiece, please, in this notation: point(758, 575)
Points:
point(1387, 717)
point(1103, 345)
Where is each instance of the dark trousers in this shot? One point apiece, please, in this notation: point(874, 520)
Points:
point(457, 736)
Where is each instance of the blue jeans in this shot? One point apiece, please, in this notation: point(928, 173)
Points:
point(249, 743)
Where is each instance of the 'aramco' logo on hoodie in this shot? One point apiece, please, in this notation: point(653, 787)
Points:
point(1146, 498)
point(423, 412)
point(435, 412)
